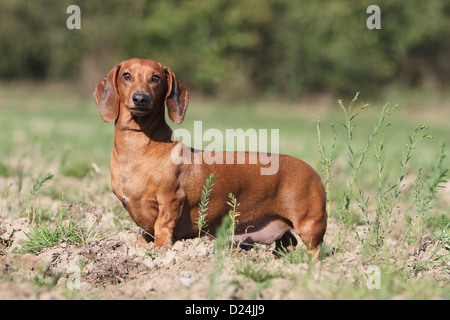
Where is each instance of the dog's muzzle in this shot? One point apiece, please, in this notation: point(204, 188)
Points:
point(140, 99)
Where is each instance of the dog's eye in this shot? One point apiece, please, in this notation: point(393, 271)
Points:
point(126, 76)
point(155, 78)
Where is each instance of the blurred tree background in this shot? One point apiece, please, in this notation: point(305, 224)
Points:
point(220, 47)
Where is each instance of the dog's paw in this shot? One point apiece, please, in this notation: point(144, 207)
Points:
point(143, 239)
point(162, 243)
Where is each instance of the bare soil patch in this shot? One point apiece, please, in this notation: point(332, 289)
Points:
point(116, 268)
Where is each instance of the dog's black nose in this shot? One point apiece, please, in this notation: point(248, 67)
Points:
point(140, 99)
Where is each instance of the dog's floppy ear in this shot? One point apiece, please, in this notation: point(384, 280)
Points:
point(177, 97)
point(107, 96)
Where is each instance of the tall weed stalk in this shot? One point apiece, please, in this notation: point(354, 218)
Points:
point(37, 186)
point(6, 193)
point(356, 158)
point(327, 161)
point(223, 246)
point(203, 206)
point(426, 189)
point(379, 214)
point(386, 209)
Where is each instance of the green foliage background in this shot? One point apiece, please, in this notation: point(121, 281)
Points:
point(220, 47)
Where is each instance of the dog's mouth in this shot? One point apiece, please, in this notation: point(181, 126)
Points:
point(139, 111)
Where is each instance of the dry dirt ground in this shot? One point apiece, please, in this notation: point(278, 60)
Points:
point(116, 268)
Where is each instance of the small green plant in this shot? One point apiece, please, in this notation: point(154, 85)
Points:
point(327, 161)
point(297, 256)
point(426, 192)
point(301, 254)
point(203, 206)
point(6, 193)
point(82, 263)
point(73, 230)
point(256, 272)
point(378, 213)
point(220, 251)
point(433, 259)
point(356, 159)
point(20, 178)
point(44, 277)
point(223, 246)
point(224, 243)
point(41, 237)
point(233, 214)
point(37, 186)
point(386, 209)
point(443, 231)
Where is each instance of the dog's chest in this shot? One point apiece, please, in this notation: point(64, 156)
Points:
point(138, 180)
point(143, 177)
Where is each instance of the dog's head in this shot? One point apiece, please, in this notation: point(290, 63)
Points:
point(142, 87)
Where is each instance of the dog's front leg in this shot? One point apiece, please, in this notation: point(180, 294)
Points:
point(169, 211)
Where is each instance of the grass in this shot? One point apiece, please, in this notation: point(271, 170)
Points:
point(6, 193)
point(203, 206)
point(223, 246)
point(68, 231)
point(384, 207)
point(382, 172)
point(426, 193)
point(73, 226)
point(233, 215)
point(256, 272)
point(380, 212)
point(47, 228)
